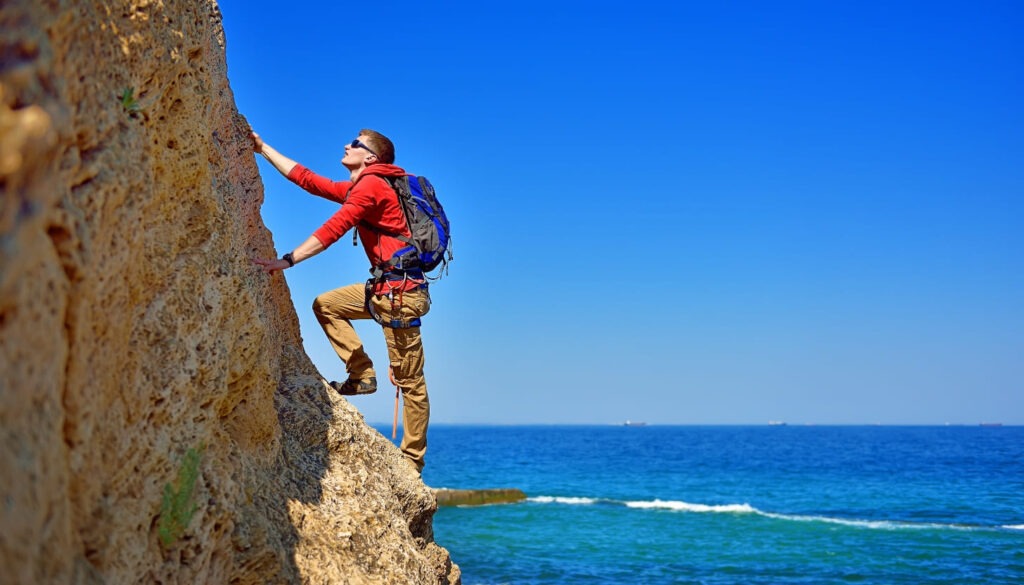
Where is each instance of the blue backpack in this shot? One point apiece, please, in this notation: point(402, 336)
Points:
point(429, 247)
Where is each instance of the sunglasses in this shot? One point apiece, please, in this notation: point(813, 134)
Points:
point(356, 144)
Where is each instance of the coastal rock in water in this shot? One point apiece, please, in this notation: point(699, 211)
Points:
point(159, 420)
point(446, 497)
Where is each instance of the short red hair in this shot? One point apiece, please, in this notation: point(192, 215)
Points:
point(381, 145)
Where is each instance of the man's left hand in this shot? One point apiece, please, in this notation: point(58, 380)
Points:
point(271, 265)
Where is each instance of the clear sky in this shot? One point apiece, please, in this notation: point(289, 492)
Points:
point(674, 212)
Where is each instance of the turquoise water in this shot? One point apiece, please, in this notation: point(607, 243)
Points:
point(735, 505)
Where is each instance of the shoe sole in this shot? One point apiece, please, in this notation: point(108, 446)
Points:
point(337, 388)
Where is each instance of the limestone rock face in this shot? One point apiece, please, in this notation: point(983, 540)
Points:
point(136, 334)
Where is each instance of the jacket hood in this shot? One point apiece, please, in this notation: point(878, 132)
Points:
point(383, 170)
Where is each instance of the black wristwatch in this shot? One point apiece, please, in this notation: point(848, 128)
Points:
point(289, 258)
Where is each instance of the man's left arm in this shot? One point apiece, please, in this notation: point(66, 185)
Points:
point(355, 208)
point(311, 247)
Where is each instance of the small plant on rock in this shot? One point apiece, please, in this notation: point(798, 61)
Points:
point(177, 507)
point(129, 103)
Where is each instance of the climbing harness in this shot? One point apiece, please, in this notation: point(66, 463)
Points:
point(396, 284)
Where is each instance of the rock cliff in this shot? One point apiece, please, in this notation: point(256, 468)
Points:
point(159, 420)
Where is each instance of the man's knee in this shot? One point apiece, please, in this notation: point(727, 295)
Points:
point(407, 372)
point(319, 306)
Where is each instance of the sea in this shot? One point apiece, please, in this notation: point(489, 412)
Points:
point(723, 505)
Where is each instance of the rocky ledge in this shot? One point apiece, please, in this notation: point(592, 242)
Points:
point(447, 497)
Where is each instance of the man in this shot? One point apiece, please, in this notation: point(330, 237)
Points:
point(371, 206)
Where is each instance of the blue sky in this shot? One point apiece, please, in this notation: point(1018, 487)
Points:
point(693, 213)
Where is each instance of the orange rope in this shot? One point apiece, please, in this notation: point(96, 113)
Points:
point(394, 425)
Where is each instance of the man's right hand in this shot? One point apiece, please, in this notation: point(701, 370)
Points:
point(283, 164)
point(257, 143)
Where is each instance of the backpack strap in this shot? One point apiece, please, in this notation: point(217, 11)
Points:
point(384, 232)
point(371, 227)
point(404, 239)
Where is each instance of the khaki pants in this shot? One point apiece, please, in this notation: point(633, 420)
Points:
point(335, 310)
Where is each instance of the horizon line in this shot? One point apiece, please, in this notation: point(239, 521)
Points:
point(994, 424)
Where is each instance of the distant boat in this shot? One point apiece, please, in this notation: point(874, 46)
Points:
point(634, 423)
point(991, 424)
point(776, 423)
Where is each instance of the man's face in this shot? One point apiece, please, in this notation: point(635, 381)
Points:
point(357, 152)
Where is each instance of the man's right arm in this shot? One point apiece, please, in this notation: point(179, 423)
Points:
point(300, 175)
point(283, 164)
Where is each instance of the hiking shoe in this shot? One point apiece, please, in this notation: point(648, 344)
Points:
point(351, 387)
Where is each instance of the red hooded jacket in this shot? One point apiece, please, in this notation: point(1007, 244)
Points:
point(368, 200)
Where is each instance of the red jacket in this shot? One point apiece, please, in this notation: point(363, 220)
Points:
point(368, 200)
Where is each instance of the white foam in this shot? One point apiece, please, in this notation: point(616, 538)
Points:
point(688, 507)
point(748, 509)
point(879, 524)
point(874, 524)
point(562, 500)
point(681, 506)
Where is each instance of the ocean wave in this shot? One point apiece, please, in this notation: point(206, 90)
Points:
point(681, 506)
point(688, 507)
point(562, 500)
point(872, 524)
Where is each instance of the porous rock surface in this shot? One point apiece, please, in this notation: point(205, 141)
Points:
point(134, 328)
